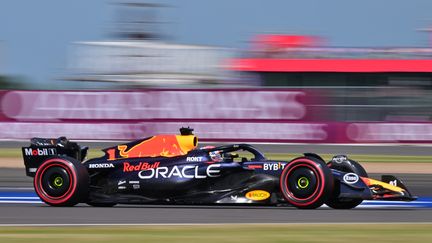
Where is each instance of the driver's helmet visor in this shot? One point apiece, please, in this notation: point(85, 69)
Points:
point(215, 156)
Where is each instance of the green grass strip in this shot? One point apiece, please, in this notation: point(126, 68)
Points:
point(224, 233)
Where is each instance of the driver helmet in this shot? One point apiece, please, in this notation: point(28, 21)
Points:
point(216, 156)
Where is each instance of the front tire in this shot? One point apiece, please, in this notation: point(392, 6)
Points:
point(61, 181)
point(306, 182)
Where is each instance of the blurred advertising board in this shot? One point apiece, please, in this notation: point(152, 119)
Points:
point(220, 115)
point(147, 105)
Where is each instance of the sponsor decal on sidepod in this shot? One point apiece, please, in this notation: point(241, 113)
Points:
point(187, 171)
point(99, 166)
point(127, 167)
point(273, 166)
point(257, 195)
point(350, 178)
point(194, 159)
point(136, 186)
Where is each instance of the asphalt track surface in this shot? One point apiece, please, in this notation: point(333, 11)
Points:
point(41, 214)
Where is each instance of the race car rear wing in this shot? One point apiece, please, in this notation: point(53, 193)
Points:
point(41, 149)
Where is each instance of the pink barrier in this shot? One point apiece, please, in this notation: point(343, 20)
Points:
point(216, 104)
point(207, 131)
point(216, 115)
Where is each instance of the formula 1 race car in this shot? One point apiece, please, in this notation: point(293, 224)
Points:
point(170, 169)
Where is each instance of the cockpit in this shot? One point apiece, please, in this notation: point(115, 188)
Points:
point(234, 153)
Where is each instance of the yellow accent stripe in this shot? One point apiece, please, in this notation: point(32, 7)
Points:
point(385, 185)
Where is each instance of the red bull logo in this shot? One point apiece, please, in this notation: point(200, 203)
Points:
point(127, 167)
point(161, 145)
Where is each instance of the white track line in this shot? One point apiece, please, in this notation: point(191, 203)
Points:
point(17, 188)
point(23, 198)
point(29, 200)
point(19, 202)
point(396, 202)
point(214, 224)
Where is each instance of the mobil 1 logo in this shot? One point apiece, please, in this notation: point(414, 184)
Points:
point(39, 151)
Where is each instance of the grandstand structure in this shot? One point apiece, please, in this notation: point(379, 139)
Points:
point(140, 56)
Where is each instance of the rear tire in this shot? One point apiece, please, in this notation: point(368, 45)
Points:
point(349, 166)
point(61, 181)
point(306, 182)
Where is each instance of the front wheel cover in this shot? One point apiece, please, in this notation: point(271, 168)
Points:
point(306, 182)
point(58, 182)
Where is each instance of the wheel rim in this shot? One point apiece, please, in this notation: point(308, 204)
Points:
point(55, 181)
point(302, 182)
point(58, 181)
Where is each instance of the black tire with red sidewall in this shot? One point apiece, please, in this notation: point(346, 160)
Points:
point(306, 182)
point(61, 181)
